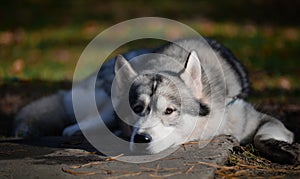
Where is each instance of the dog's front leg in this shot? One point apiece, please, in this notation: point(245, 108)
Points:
point(89, 124)
point(92, 123)
point(275, 141)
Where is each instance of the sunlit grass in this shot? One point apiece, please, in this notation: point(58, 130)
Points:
point(51, 53)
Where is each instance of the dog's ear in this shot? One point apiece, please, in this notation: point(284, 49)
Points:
point(192, 74)
point(123, 71)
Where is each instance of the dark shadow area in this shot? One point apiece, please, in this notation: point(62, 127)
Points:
point(14, 94)
point(67, 160)
point(53, 150)
point(39, 148)
point(34, 14)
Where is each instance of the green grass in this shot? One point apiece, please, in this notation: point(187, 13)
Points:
point(51, 54)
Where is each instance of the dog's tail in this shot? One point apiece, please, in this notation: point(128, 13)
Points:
point(45, 116)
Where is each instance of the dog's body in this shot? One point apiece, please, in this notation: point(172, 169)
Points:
point(192, 90)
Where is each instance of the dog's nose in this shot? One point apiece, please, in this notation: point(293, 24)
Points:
point(142, 138)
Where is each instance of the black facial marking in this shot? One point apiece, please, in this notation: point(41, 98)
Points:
point(133, 95)
point(147, 111)
point(203, 109)
point(186, 62)
point(145, 84)
point(156, 80)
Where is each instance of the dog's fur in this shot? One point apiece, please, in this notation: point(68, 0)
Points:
point(190, 90)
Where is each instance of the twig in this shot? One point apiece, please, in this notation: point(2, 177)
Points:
point(97, 162)
point(113, 158)
point(125, 175)
point(191, 142)
point(78, 173)
point(156, 170)
point(214, 165)
point(189, 169)
point(162, 169)
point(166, 175)
point(87, 164)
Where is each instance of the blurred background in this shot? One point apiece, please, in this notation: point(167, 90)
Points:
point(41, 41)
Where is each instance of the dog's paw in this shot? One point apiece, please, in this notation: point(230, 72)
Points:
point(294, 151)
point(72, 130)
point(25, 126)
point(26, 131)
point(280, 151)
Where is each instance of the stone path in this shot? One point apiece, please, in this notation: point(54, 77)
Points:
point(57, 157)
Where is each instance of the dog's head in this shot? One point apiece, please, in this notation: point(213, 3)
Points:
point(164, 107)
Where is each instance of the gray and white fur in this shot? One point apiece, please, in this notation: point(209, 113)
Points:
point(194, 89)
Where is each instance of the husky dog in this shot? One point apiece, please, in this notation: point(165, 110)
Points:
point(194, 89)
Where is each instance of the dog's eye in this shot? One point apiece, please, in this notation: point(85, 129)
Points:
point(169, 111)
point(138, 108)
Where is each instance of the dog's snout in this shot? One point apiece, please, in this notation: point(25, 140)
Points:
point(142, 138)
